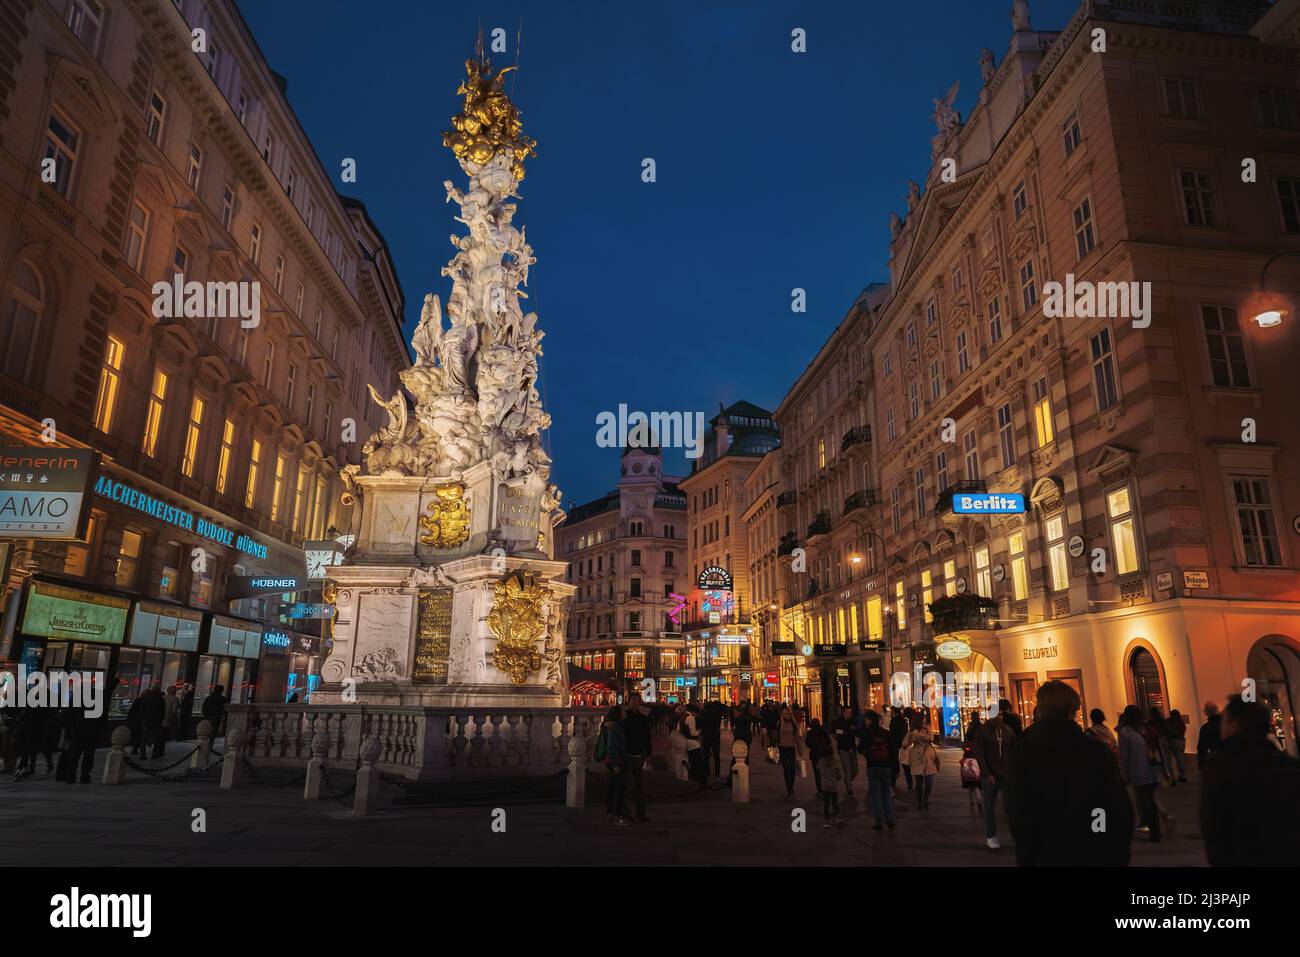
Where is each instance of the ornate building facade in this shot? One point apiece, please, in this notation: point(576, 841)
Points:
point(163, 164)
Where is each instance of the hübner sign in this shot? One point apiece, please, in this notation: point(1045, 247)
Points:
point(44, 492)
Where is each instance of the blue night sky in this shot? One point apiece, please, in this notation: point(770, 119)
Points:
point(775, 170)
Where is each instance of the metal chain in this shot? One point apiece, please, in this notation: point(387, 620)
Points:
point(157, 772)
point(334, 792)
point(258, 779)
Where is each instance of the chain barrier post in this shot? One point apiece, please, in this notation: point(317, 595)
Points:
point(232, 763)
point(575, 788)
point(115, 769)
point(740, 772)
point(367, 796)
point(201, 753)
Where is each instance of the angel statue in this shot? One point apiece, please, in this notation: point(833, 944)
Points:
point(945, 117)
point(1020, 15)
point(428, 334)
point(388, 449)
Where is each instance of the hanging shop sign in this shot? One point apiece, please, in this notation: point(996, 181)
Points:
point(832, 651)
point(783, 647)
point(988, 503)
point(234, 637)
point(1076, 546)
point(999, 573)
point(715, 578)
point(45, 493)
point(179, 517)
point(158, 625)
point(872, 644)
point(771, 679)
point(744, 676)
point(954, 649)
point(74, 614)
point(246, 586)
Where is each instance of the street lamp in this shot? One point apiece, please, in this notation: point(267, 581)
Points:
point(1268, 309)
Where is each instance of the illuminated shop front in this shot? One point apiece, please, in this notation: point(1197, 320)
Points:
point(290, 666)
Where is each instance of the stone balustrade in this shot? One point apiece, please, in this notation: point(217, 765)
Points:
point(421, 744)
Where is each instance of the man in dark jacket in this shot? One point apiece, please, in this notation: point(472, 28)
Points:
point(214, 709)
point(1207, 741)
point(711, 735)
point(1010, 717)
point(636, 730)
point(1065, 800)
point(185, 719)
point(845, 731)
point(992, 747)
point(1250, 793)
point(154, 713)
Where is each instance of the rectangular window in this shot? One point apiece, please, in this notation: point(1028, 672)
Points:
point(61, 140)
point(889, 424)
point(192, 433)
point(279, 274)
point(181, 260)
point(329, 415)
point(1019, 200)
point(970, 445)
point(153, 418)
point(1256, 522)
point(963, 353)
point(227, 450)
point(254, 463)
point(1006, 436)
point(1123, 534)
point(635, 585)
point(297, 305)
point(919, 480)
point(1043, 413)
point(941, 471)
point(1180, 98)
point(896, 509)
point(931, 313)
point(1288, 195)
point(241, 108)
point(1071, 136)
point(1019, 568)
point(1276, 110)
point(888, 363)
point(86, 20)
point(936, 381)
point(1198, 197)
point(195, 168)
point(1085, 240)
point(157, 116)
point(927, 593)
point(1059, 561)
point(137, 232)
point(227, 208)
point(995, 320)
point(950, 578)
point(268, 364)
point(914, 400)
point(1028, 288)
point(128, 559)
point(311, 402)
point(277, 486)
point(110, 377)
point(956, 278)
point(911, 334)
point(875, 619)
point(1226, 346)
point(300, 499)
point(255, 243)
point(900, 605)
point(1104, 388)
point(983, 574)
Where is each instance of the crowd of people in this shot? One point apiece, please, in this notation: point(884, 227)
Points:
point(1072, 795)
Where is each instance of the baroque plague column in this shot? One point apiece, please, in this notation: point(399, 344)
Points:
point(450, 596)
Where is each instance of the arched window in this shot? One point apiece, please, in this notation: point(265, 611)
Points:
point(22, 321)
point(1147, 692)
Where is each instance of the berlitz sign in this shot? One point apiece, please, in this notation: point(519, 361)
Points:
point(988, 503)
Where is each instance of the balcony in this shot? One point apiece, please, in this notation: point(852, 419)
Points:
point(787, 499)
point(858, 436)
point(821, 525)
point(788, 544)
point(962, 613)
point(859, 499)
point(943, 502)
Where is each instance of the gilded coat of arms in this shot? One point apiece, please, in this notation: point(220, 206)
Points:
point(519, 622)
point(447, 523)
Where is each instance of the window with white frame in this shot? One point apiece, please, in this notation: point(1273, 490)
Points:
point(936, 380)
point(279, 274)
point(1180, 98)
point(1197, 187)
point(297, 300)
point(1226, 346)
point(157, 117)
point(889, 424)
point(110, 378)
point(888, 363)
point(963, 353)
point(195, 167)
point(1006, 436)
point(949, 577)
point(61, 142)
point(1276, 109)
point(136, 233)
point(983, 572)
point(1058, 559)
point(931, 313)
point(956, 278)
point(1028, 288)
point(181, 260)
point(290, 384)
point(1105, 390)
point(941, 470)
point(970, 445)
point(85, 18)
point(914, 399)
point(227, 207)
point(268, 363)
point(927, 593)
point(919, 479)
point(1071, 135)
point(911, 334)
point(1043, 430)
point(995, 320)
point(255, 243)
point(241, 108)
point(1019, 199)
point(1123, 530)
point(1019, 566)
point(1252, 500)
point(1085, 240)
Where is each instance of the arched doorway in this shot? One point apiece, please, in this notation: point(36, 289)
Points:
point(1144, 679)
point(1274, 664)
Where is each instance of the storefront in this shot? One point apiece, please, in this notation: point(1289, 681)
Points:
point(230, 661)
point(162, 649)
point(69, 628)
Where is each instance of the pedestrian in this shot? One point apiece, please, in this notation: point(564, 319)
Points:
point(970, 775)
point(185, 717)
point(831, 773)
point(924, 759)
point(1207, 739)
point(845, 746)
point(1057, 781)
point(135, 724)
point(880, 760)
point(992, 748)
point(1010, 717)
point(214, 709)
point(694, 754)
point(710, 721)
point(771, 716)
point(897, 732)
point(1139, 763)
point(1102, 734)
point(83, 734)
point(155, 713)
point(171, 711)
point(819, 745)
point(1153, 728)
point(1250, 793)
point(1175, 743)
point(611, 747)
point(787, 741)
point(33, 736)
point(636, 731)
point(973, 727)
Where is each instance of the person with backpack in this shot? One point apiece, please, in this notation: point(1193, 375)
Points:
point(924, 759)
point(819, 745)
point(1174, 743)
point(881, 760)
point(898, 724)
point(689, 729)
point(970, 776)
point(611, 747)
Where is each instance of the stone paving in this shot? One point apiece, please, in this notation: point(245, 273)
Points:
point(148, 822)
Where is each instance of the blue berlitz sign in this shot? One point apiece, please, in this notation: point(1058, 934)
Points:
point(988, 503)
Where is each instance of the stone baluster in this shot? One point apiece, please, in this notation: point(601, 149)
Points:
point(461, 742)
point(575, 785)
point(203, 753)
point(232, 763)
point(478, 743)
point(115, 769)
point(497, 743)
point(367, 796)
point(566, 723)
point(314, 787)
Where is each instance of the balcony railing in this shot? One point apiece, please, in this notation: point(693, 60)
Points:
point(821, 525)
point(856, 436)
point(788, 544)
point(859, 499)
point(787, 498)
point(943, 503)
point(954, 613)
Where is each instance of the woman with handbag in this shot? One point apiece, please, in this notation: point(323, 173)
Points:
point(923, 758)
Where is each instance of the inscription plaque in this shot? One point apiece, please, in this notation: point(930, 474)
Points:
point(432, 636)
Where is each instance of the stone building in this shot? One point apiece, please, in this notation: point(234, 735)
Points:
point(175, 166)
point(1155, 561)
point(627, 555)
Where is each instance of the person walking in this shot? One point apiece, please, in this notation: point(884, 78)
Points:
point(831, 774)
point(171, 711)
point(924, 759)
point(881, 761)
point(1139, 763)
point(710, 721)
point(612, 749)
point(1175, 743)
point(973, 728)
point(1057, 780)
point(992, 748)
point(694, 754)
point(155, 713)
point(1250, 793)
point(787, 740)
point(771, 716)
point(185, 719)
point(135, 724)
point(845, 738)
point(636, 732)
point(1207, 739)
point(1010, 717)
point(36, 733)
point(1098, 732)
point(214, 709)
point(1153, 728)
point(819, 745)
point(897, 732)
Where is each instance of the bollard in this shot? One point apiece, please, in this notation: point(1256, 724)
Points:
point(740, 773)
point(680, 766)
point(203, 753)
point(232, 763)
point(115, 769)
point(804, 769)
point(314, 787)
point(575, 788)
point(367, 777)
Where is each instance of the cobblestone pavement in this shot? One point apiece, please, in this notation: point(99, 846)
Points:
point(148, 822)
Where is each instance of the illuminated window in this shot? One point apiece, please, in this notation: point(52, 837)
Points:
point(254, 461)
point(896, 509)
point(983, 577)
point(128, 559)
point(227, 449)
point(110, 377)
point(875, 621)
point(192, 436)
point(821, 453)
point(1019, 568)
point(853, 622)
point(277, 487)
point(927, 592)
point(318, 509)
point(1042, 413)
point(1122, 531)
point(840, 621)
point(900, 605)
point(153, 419)
point(300, 498)
point(1058, 560)
point(949, 577)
